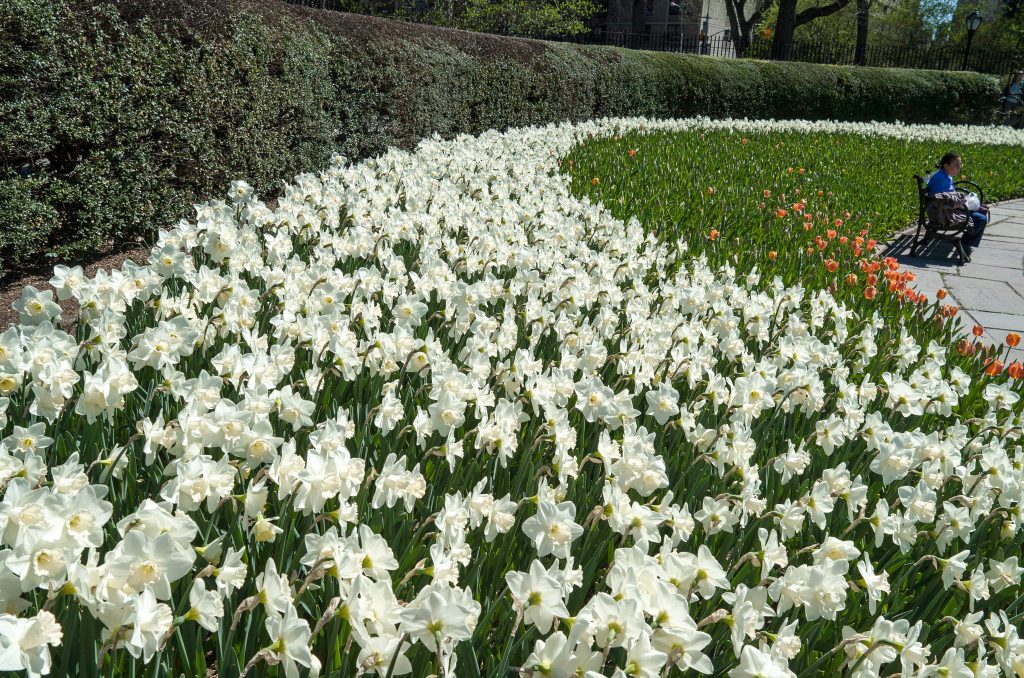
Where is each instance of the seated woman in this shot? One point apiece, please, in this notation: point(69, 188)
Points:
point(947, 206)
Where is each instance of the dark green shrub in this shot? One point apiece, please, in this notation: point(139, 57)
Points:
point(118, 114)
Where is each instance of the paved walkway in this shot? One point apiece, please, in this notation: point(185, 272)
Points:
point(990, 289)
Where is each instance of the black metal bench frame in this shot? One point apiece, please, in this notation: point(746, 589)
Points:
point(929, 230)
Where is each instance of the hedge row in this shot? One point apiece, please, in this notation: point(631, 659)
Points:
point(117, 115)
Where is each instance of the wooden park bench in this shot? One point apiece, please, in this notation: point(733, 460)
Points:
point(929, 230)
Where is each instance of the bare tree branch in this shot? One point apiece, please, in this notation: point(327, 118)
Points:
point(812, 13)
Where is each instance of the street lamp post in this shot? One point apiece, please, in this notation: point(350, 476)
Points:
point(973, 22)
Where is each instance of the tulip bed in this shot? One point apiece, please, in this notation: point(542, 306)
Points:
point(440, 413)
point(806, 203)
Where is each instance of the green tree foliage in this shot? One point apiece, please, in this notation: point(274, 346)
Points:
point(528, 18)
point(534, 18)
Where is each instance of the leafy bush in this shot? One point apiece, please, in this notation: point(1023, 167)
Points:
point(122, 114)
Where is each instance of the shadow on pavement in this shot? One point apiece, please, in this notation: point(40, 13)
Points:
point(932, 254)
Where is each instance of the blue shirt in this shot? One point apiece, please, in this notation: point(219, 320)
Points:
point(940, 182)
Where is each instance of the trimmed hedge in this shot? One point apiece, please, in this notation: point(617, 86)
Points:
point(119, 114)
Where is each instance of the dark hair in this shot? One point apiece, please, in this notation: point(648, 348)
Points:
point(948, 158)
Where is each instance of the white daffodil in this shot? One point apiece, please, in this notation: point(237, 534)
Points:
point(538, 595)
point(553, 528)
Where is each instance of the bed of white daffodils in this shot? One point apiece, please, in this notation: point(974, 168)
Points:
point(433, 414)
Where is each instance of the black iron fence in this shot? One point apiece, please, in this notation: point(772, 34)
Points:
point(715, 45)
point(943, 58)
point(936, 57)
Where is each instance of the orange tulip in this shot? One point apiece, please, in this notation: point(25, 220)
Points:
point(713, 235)
point(1016, 370)
point(831, 265)
point(772, 255)
point(871, 243)
point(838, 222)
point(843, 240)
point(965, 347)
point(830, 233)
point(851, 279)
point(810, 251)
point(994, 368)
point(870, 292)
point(632, 152)
point(941, 294)
point(978, 330)
point(872, 278)
point(767, 193)
point(711, 190)
point(1012, 339)
point(595, 181)
point(780, 213)
point(760, 205)
point(744, 141)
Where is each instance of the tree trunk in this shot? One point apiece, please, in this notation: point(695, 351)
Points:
point(860, 56)
point(639, 16)
point(788, 20)
point(785, 26)
point(734, 27)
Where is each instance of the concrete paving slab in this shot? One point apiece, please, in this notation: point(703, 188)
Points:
point(1007, 228)
point(984, 295)
point(928, 282)
point(1004, 244)
point(1002, 273)
point(994, 257)
point(995, 235)
point(1001, 324)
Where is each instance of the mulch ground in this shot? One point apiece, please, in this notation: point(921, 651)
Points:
point(14, 282)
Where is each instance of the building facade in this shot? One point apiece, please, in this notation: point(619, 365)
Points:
point(661, 19)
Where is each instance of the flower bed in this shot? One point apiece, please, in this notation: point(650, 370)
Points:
point(434, 414)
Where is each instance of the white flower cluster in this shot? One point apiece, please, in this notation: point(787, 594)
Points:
point(446, 348)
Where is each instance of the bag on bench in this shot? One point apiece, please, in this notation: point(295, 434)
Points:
point(948, 209)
